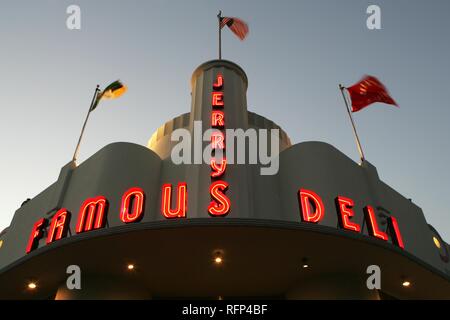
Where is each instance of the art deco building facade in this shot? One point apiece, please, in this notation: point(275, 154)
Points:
point(140, 226)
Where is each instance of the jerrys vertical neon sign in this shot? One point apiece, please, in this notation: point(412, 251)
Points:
point(220, 203)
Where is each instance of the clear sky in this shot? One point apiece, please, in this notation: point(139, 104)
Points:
point(295, 56)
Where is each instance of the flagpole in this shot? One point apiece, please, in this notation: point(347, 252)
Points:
point(75, 154)
point(219, 17)
point(358, 143)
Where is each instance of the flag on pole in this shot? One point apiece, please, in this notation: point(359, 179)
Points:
point(367, 91)
point(237, 26)
point(113, 91)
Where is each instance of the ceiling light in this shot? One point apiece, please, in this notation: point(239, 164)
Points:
point(305, 264)
point(406, 283)
point(32, 285)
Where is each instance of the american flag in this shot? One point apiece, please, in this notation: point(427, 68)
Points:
point(237, 26)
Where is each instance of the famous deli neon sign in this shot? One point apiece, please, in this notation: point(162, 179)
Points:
point(93, 211)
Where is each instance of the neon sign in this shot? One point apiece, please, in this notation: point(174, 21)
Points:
point(93, 212)
point(166, 201)
point(220, 204)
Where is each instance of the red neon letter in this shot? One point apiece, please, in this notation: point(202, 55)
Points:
point(372, 224)
point(219, 82)
point(307, 198)
point(92, 209)
point(217, 99)
point(132, 205)
point(58, 226)
point(220, 205)
point(36, 234)
point(345, 212)
point(218, 169)
point(217, 119)
point(180, 211)
point(217, 140)
point(397, 238)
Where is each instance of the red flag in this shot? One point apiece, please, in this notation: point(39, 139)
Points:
point(367, 91)
point(239, 27)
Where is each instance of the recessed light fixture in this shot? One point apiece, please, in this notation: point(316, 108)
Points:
point(130, 266)
point(32, 285)
point(305, 264)
point(218, 257)
point(437, 243)
point(406, 283)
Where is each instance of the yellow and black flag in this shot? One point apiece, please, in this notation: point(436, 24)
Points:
point(113, 91)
